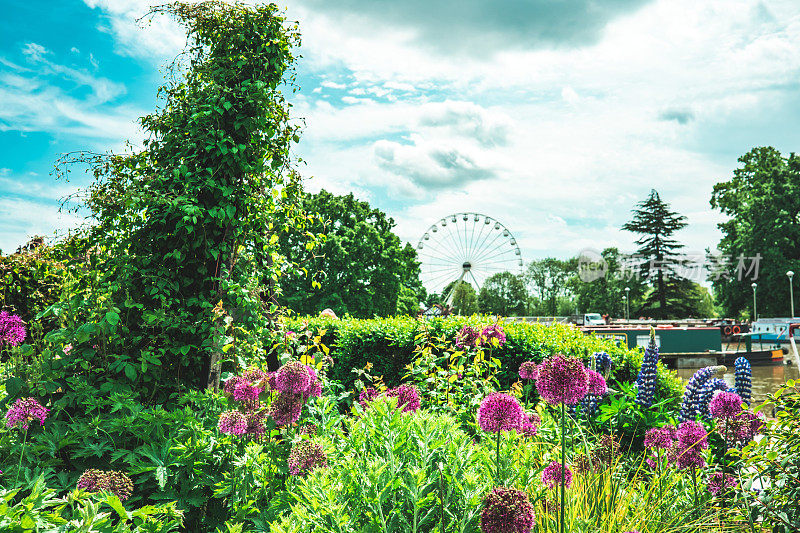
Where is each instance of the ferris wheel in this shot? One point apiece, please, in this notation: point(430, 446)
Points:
point(467, 247)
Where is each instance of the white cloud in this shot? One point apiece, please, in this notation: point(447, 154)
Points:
point(24, 218)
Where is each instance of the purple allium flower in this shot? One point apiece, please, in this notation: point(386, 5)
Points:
point(273, 385)
point(716, 485)
point(233, 422)
point(746, 426)
point(646, 380)
point(24, 411)
point(305, 456)
point(725, 405)
point(493, 335)
point(744, 379)
point(286, 409)
point(528, 370)
point(597, 383)
point(506, 510)
point(243, 392)
point(500, 412)
point(112, 481)
point(12, 329)
point(692, 438)
point(660, 438)
point(407, 397)
point(293, 377)
point(307, 429)
point(551, 475)
point(562, 380)
point(467, 337)
point(367, 395)
point(709, 389)
point(530, 424)
point(255, 422)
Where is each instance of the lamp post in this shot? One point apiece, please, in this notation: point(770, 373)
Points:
point(627, 303)
point(790, 274)
point(755, 313)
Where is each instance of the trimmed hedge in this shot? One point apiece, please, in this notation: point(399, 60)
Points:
point(388, 343)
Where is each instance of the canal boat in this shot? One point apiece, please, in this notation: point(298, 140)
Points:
point(775, 330)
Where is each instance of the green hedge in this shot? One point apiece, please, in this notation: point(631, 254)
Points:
point(388, 343)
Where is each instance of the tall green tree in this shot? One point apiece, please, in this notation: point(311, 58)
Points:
point(465, 299)
point(361, 269)
point(606, 294)
point(184, 230)
point(547, 280)
point(762, 199)
point(503, 294)
point(658, 253)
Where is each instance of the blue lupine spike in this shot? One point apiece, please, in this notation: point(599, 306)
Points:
point(707, 393)
point(602, 362)
point(646, 380)
point(693, 388)
point(744, 379)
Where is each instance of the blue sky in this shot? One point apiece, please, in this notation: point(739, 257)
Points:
point(553, 117)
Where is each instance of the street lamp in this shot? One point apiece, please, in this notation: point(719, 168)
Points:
point(755, 313)
point(627, 303)
point(791, 291)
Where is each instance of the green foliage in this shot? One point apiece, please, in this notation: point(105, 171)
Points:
point(388, 345)
point(503, 294)
point(40, 510)
point(605, 295)
point(773, 463)
point(762, 201)
point(361, 269)
point(547, 280)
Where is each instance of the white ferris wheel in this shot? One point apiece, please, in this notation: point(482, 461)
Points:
point(467, 247)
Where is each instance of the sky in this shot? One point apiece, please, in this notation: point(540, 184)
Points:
point(553, 117)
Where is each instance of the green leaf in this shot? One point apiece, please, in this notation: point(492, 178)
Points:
point(112, 318)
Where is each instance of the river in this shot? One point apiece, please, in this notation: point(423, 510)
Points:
point(766, 379)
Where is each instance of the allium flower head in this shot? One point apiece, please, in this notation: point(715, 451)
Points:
point(407, 397)
point(506, 510)
point(293, 377)
point(692, 438)
point(12, 329)
point(725, 405)
point(562, 380)
point(467, 337)
point(305, 456)
point(660, 438)
point(500, 412)
point(367, 395)
point(606, 451)
point(719, 482)
point(746, 426)
point(493, 335)
point(286, 409)
point(24, 411)
point(597, 383)
point(530, 424)
point(528, 370)
point(112, 481)
point(232, 422)
point(551, 475)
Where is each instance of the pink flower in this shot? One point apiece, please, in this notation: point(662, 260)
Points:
point(716, 485)
point(500, 412)
point(12, 329)
point(24, 411)
point(407, 397)
point(597, 383)
point(725, 405)
point(528, 370)
point(305, 457)
point(551, 475)
point(530, 424)
point(232, 422)
point(367, 395)
point(286, 409)
point(467, 337)
point(293, 378)
point(506, 510)
point(660, 438)
point(493, 335)
point(562, 380)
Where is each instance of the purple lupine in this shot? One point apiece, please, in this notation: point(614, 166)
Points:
point(744, 379)
point(711, 387)
point(24, 411)
point(602, 362)
point(12, 329)
point(691, 396)
point(500, 412)
point(306, 456)
point(562, 380)
point(506, 510)
point(646, 380)
point(551, 475)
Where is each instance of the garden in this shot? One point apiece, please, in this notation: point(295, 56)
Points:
point(152, 381)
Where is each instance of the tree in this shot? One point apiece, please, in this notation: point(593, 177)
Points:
point(660, 261)
point(361, 269)
point(465, 300)
point(184, 232)
point(605, 295)
point(761, 239)
point(548, 282)
point(503, 294)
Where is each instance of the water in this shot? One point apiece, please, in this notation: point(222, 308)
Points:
point(766, 379)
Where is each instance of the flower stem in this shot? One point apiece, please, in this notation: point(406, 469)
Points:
point(563, 464)
point(497, 464)
point(694, 483)
point(21, 454)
